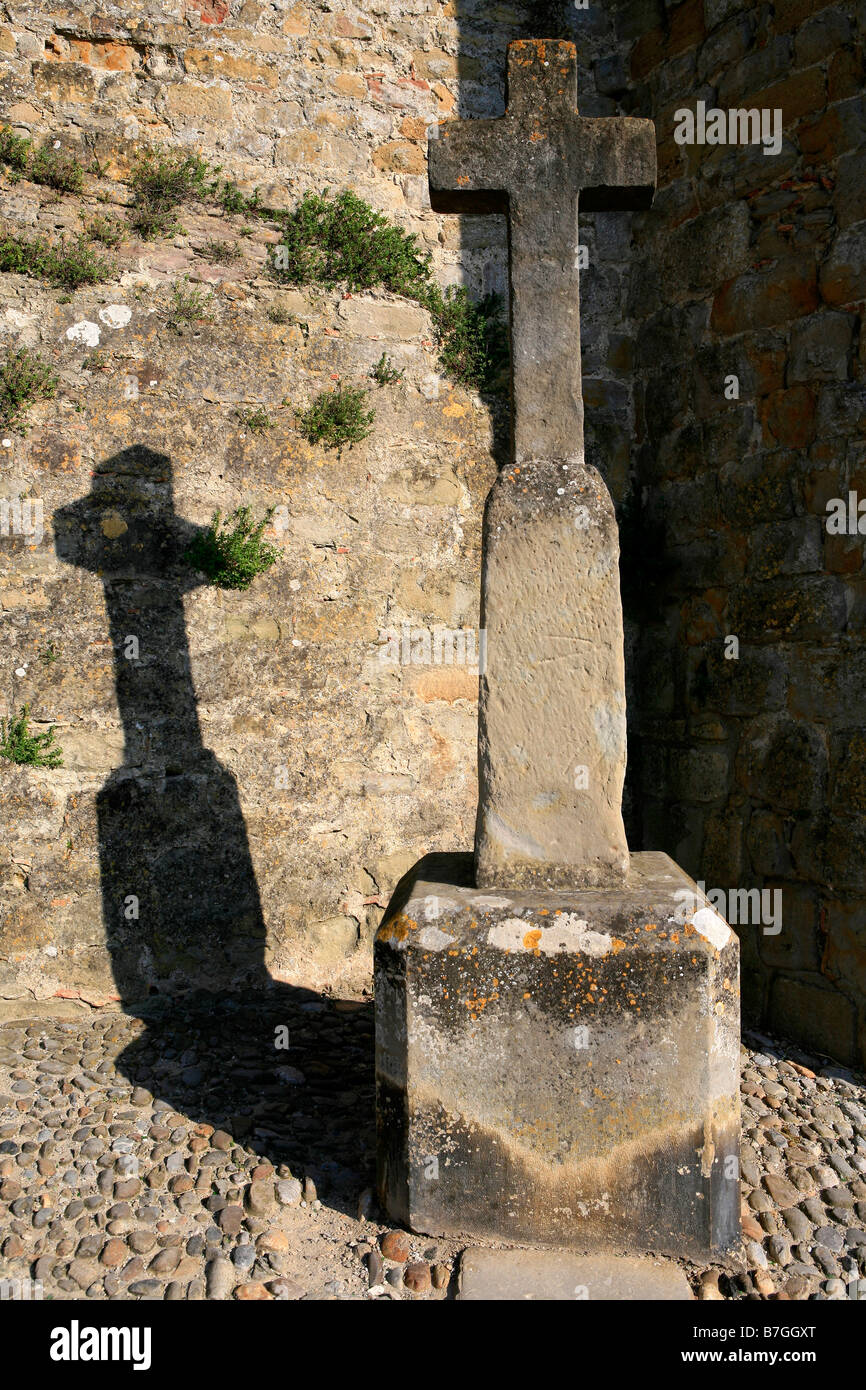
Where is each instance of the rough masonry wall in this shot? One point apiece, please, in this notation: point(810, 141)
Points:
point(258, 780)
point(333, 772)
point(752, 771)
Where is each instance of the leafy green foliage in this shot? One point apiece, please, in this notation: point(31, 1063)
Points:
point(231, 199)
point(232, 553)
point(342, 240)
point(385, 373)
point(257, 420)
point(337, 417)
point(105, 229)
point(24, 379)
point(57, 169)
point(472, 336)
point(20, 746)
point(161, 180)
point(188, 306)
point(221, 252)
point(67, 265)
point(14, 152)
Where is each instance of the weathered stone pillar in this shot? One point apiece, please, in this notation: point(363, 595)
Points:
point(557, 1031)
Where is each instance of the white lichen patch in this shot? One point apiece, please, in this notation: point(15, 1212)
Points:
point(712, 927)
point(85, 331)
point(567, 932)
point(432, 939)
point(115, 315)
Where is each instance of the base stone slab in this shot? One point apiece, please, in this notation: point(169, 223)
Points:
point(559, 1276)
point(559, 1068)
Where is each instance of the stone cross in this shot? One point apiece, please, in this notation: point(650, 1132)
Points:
point(552, 697)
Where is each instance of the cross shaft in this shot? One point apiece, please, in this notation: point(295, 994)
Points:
point(535, 164)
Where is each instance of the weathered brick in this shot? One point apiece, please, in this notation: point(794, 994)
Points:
point(843, 274)
point(796, 610)
point(764, 298)
point(373, 319)
point(399, 156)
point(790, 14)
point(784, 763)
point(199, 104)
point(845, 74)
point(821, 347)
point(434, 64)
point(821, 37)
point(320, 149)
point(211, 11)
point(210, 63)
point(792, 546)
point(837, 130)
point(844, 960)
point(849, 197)
point(795, 96)
point(64, 83)
point(788, 417)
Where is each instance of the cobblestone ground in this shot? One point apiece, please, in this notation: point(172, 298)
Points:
point(195, 1155)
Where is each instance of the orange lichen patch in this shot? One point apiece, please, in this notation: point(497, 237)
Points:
point(527, 995)
point(675, 938)
point(395, 930)
point(617, 945)
point(543, 912)
point(531, 940)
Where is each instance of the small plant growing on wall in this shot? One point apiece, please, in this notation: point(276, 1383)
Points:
point(231, 553)
point(189, 306)
point(473, 339)
point(221, 252)
point(50, 165)
point(257, 420)
point(105, 229)
point(57, 169)
point(337, 417)
point(331, 241)
point(18, 745)
point(66, 265)
point(24, 379)
point(14, 152)
point(342, 240)
point(385, 373)
point(161, 180)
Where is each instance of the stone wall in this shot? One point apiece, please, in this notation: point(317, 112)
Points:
point(751, 771)
point(329, 772)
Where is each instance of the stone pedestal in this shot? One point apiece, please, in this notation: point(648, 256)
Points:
point(559, 1068)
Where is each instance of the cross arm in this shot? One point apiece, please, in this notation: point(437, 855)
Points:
point(617, 162)
point(465, 170)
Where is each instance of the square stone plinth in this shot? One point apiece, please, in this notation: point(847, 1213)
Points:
point(559, 1068)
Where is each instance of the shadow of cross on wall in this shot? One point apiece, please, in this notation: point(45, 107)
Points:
point(180, 902)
